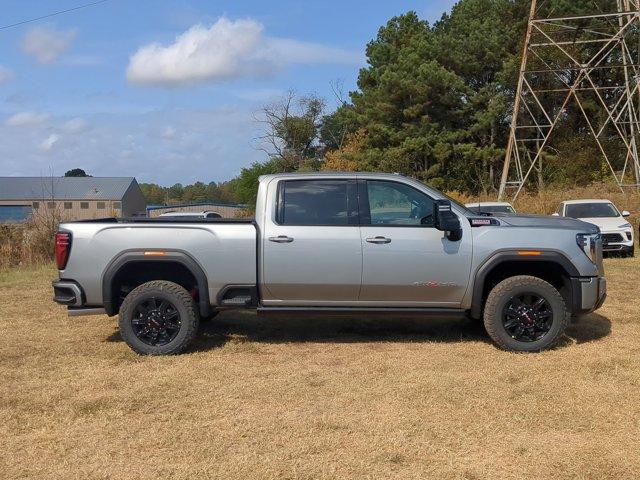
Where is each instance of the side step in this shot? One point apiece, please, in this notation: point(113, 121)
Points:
point(367, 311)
point(238, 296)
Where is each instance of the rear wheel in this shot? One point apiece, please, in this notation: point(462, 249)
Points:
point(525, 314)
point(158, 318)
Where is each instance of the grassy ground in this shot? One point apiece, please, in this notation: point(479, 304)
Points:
point(325, 398)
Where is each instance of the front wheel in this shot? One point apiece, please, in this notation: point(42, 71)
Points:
point(158, 318)
point(525, 314)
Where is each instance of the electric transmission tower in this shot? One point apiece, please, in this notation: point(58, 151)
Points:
point(582, 66)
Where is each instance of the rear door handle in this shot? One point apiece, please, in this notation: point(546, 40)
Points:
point(378, 240)
point(281, 239)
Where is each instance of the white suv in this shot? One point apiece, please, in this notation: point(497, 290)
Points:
point(617, 232)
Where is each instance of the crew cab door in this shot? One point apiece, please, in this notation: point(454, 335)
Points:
point(311, 248)
point(406, 261)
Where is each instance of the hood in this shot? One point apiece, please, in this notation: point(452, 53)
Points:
point(608, 223)
point(545, 221)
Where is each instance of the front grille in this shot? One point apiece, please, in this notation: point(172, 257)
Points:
point(611, 238)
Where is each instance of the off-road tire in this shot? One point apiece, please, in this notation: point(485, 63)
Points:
point(179, 298)
point(503, 292)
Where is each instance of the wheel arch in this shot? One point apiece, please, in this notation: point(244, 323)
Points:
point(181, 260)
point(550, 265)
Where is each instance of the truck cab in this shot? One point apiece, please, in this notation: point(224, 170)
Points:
point(358, 242)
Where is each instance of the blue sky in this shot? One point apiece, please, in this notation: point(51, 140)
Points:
point(168, 91)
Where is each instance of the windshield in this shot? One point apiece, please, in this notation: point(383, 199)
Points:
point(591, 210)
point(492, 209)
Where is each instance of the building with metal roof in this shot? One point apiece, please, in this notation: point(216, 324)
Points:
point(71, 198)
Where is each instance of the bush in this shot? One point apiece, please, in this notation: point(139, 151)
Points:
point(28, 243)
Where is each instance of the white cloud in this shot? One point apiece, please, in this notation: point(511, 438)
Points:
point(6, 74)
point(26, 119)
point(75, 125)
point(49, 142)
point(46, 44)
point(225, 50)
point(169, 133)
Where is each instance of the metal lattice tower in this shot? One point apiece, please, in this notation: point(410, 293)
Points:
point(588, 63)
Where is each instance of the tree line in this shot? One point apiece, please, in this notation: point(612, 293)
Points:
point(216, 192)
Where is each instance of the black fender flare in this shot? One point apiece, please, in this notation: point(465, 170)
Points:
point(110, 304)
point(502, 256)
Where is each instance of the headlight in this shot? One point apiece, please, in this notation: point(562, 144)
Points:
point(625, 225)
point(589, 244)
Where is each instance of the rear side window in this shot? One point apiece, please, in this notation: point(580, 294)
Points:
point(317, 202)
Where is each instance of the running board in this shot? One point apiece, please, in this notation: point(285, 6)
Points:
point(369, 311)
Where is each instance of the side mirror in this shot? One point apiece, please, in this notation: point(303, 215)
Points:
point(555, 214)
point(625, 213)
point(446, 220)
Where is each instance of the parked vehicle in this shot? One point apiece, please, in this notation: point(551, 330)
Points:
point(491, 208)
point(339, 244)
point(186, 215)
point(617, 232)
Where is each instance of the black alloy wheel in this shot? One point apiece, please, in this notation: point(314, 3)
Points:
point(155, 322)
point(527, 317)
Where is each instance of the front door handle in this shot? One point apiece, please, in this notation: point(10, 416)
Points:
point(281, 239)
point(378, 240)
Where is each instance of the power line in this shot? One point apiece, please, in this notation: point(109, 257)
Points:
point(53, 14)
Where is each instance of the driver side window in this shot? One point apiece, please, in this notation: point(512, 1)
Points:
point(392, 203)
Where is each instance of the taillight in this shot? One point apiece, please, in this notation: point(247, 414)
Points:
point(63, 246)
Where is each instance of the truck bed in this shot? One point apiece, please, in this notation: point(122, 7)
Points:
point(225, 250)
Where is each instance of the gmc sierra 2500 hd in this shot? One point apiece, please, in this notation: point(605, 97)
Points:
point(354, 243)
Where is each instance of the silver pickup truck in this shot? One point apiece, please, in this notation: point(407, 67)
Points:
point(353, 243)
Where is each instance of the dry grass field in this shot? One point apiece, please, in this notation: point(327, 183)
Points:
point(315, 399)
